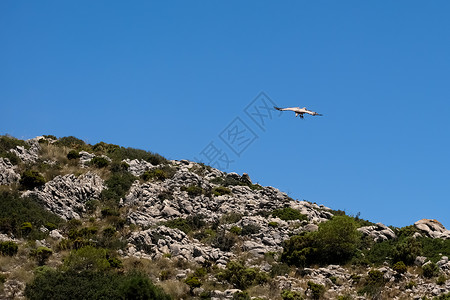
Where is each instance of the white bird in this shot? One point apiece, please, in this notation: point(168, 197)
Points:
point(299, 111)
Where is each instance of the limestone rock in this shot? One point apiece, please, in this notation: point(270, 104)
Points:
point(8, 173)
point(28, 155)
point(138, 167)
point(67, 195)
point(378, 232)
point(432, 228)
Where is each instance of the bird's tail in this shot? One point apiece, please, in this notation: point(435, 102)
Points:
point(319, 115)
point(277, 108)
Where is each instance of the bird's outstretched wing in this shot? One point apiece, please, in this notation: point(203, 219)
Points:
point(277, 108)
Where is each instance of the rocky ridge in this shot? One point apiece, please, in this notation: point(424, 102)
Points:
point(149, 205)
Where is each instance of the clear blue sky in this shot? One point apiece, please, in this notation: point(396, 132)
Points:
point(172, 77)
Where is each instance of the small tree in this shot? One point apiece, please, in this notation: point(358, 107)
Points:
point(31, 179)
point(8, 248)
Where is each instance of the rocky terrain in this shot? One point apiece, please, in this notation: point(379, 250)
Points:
point(200, 233)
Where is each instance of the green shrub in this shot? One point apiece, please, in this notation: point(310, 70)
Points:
point(291, 295)
point(99, 162)
point(42, 254)
point(2, 278)
point(89, 285)
point(50, 226)
point(8, 248)
point(31, 179)
point(273, 224)
point(16, 210)
point(188, 224)
point(279, 269)
point(118, 153)
point(157, 174)
point(73, 154)
point(399, 267)
point(241, 277)
point(224, 241)
point(287, 214)
point(87, 258)
point(317, 290)
point(407, 250)
point(335, 242)
point(220, 190)
point(193, 282)
point(117, 186)
point(411, 284)
point(441, 280)
point(193, 190)
point(250, 229)
point(108, 211)
point(236, 230)
point(71, 142)
point(231, 218)
point(26, 228)
point(374, 283)
point(242, 295)
point(430, 270)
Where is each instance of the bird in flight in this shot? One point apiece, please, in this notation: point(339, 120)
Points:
point(299, 111)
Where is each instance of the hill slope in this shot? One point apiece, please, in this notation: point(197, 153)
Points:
point(74, 216)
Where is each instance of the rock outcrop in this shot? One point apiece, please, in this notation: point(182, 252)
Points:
point(8, 173)
point(432, 228)
point(378, 232)
point(30, 155)
point(67, 195)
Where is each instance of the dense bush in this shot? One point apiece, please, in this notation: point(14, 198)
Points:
point(73, 154)
point(31, 179)
point(241, 277)
point(8, 248)
point(224, 241)
point(163, 173)
point(373, 284)
point(117, 186)
point(399, 267)
point(430, 270)
point(236, 230)
point(231, 217)
point(16, 210)
point(220, 190)
point(250, 229)
point(99, 162)
point(193, 190)
point(67, 285)
point(335, 242)
point(71, 142)
point(287, 214)
point(188, 224)
point(41, 254)
point(317, 290)
point(291, 295)
point(118, 153)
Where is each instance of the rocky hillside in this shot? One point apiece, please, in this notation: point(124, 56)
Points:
point(81, 221)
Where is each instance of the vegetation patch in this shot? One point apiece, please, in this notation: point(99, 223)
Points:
point(335, 242)
point(16, 210)
point(289, 214)
point(31, 179)
point(242, 277)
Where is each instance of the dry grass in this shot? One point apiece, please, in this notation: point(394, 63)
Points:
point(175, 288)
point(267, 291)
